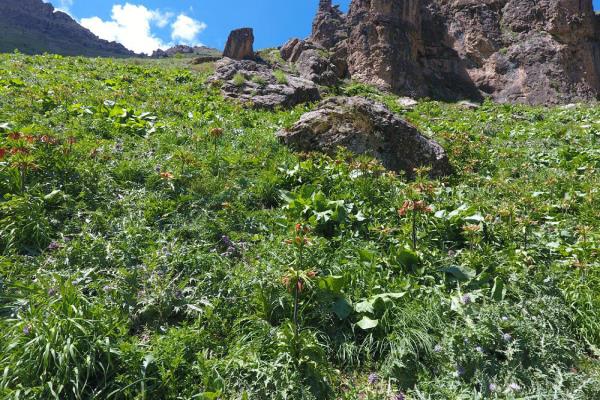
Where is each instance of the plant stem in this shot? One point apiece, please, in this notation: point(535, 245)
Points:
point(296, 296)
point(414, 231)
point(22, 178)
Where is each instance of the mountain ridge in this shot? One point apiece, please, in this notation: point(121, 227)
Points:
point(35, 27)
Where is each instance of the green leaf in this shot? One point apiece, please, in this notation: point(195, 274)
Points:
point(475, 218)
point(365, 306)
point(499, 290)
point(367, 323)
point(333, 283)
point(408, 258)
point(342, 308)
point(366, 255)
point(211, 395)
point(460, 273)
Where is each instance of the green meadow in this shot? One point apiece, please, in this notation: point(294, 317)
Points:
point(158, 242)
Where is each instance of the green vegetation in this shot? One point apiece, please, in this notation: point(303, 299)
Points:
point(239, 79)
point(280, 76)
point(157, 242)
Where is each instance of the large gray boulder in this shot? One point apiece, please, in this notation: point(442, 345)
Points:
point(315, 66)
point(364, 126)
point(256, 84)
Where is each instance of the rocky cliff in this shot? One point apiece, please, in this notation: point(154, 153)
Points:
point(34, 27)
point(529, 51)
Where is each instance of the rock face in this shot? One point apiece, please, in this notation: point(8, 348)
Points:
point(34, 27)
point(364, 126)
point(240, 44)
point(537, 52)
point(256, 84)
point(541, 52)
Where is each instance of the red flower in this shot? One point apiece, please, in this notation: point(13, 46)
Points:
point(167, 175)
point(2, 153)
point(19, 150)
point(14, 135)
point(216, 132)
point(30, 139)
point(416, 206)
point(48, 139)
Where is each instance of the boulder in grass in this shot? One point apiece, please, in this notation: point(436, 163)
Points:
point(364, 126)
point(256, 84)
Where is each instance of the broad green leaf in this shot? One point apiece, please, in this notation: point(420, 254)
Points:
point(498, 291)
point(408, 258)
point(365, 306)
point(333, 283)
point(460, 273)
point(367, 323)
point(342, 308)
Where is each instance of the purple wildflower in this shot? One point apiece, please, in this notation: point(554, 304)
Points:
point(507, 337)
point(232, 249)
point(466, 299)
point(53, 246)
point(51, 292)
point(227, 241)
point(514, 387)
point(492, 387)
point(504, 318)
point(438, 348)
point(373, 378)
point(460, 370)
point(400, 396)
point(479, 349)
point(107, 288)
point(26, 330)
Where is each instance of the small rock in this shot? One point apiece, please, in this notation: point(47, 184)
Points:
point(468, 105)
point(407, 102)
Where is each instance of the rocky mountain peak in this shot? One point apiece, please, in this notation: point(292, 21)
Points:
point(34, 27)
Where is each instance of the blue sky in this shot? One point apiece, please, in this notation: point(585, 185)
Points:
point(144, 25)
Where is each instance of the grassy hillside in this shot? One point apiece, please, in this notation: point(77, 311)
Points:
point(32, 42)
point(156, 242)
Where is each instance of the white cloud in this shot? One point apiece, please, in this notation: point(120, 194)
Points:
point(130, 25)
point(62, 5)
point(186, 29)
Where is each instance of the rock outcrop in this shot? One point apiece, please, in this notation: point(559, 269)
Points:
point(191, 51)
point(541, 52)
point(537, 52)
point(364, 126)
point(35, 27)
point(240, 44)
point(256, 84)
